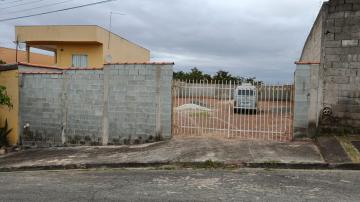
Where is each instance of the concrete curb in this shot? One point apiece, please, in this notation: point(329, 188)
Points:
point(195, 165)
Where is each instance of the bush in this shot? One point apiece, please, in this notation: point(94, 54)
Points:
point(4, 132)
point(4, 98)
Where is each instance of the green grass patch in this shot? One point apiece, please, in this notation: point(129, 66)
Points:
point(168, 167)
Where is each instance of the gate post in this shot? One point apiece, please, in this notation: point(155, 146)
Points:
point(229, 115)
point(173, 105)
point(306, 100)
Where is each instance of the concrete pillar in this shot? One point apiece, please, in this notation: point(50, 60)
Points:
point(105, 118)
point(64, 108)
point(158, 129)
point(315, 104)
point(306, 103)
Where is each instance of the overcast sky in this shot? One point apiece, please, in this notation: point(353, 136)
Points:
point(258, 38)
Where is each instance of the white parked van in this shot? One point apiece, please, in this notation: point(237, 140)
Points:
point(245, 98)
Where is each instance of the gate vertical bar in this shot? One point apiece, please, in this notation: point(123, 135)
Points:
point(277, 112)
point(229, 111)
point(281, 112)
point(256, 93)
point(180, 112)
point(213, 106)
point(253, 114)
point(175, 104)
point(291, 110)
point(286, 109)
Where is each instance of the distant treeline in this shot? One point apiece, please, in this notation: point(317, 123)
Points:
point(197, 75)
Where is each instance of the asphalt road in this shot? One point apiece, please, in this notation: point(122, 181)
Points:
point(180, 185)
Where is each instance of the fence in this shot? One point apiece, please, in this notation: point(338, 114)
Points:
point(229, 109)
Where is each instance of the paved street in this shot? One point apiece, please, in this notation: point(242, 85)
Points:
point(181, 185)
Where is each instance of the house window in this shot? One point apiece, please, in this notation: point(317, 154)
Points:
point(79, 60)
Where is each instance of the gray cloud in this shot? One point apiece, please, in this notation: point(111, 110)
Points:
point(258, 38)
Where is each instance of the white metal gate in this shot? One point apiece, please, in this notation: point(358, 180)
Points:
point(226, 108)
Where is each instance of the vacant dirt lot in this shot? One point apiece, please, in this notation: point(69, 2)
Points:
point(216, 117)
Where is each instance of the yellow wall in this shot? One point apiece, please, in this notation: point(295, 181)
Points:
point(58, 33)
point(65, 52)
point(122, 50)
point(9, 56)
point(84, 39)
point(9, 79)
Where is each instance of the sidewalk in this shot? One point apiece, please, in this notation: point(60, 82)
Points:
point(339, 149)
point(177, 150)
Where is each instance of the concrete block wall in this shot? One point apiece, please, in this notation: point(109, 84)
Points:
point(341, 66)
point(336, 108)
point(40, 105)
point(120, 104)
point(139, 103)
point(312, 48)
point(83, 103)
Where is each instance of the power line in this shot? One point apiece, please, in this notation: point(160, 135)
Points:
point(22, 4)
point(55, 11)
point(3, 1)
point(43, 6)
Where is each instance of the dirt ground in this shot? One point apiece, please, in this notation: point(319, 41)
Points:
point(272, 121)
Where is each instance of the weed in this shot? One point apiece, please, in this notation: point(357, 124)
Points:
point(272, 162)
point(209, 164)
point(345, 142)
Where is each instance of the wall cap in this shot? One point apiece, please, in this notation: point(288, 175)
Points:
point(306, 63)
point(8, 67)
point(40, 73)
point(141, 63)
point(55, 67)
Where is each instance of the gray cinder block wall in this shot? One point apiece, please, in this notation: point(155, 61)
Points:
point(119, 104)
point(336, 35)
point(40, 105)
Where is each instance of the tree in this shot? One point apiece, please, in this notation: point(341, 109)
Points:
point(179, 75)
point(4, 98)
point(226, 76)
point(196, 75)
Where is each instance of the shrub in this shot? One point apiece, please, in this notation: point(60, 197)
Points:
point(4, 132)
point(4, 98)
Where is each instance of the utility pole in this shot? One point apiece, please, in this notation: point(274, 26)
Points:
point(16, 48)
